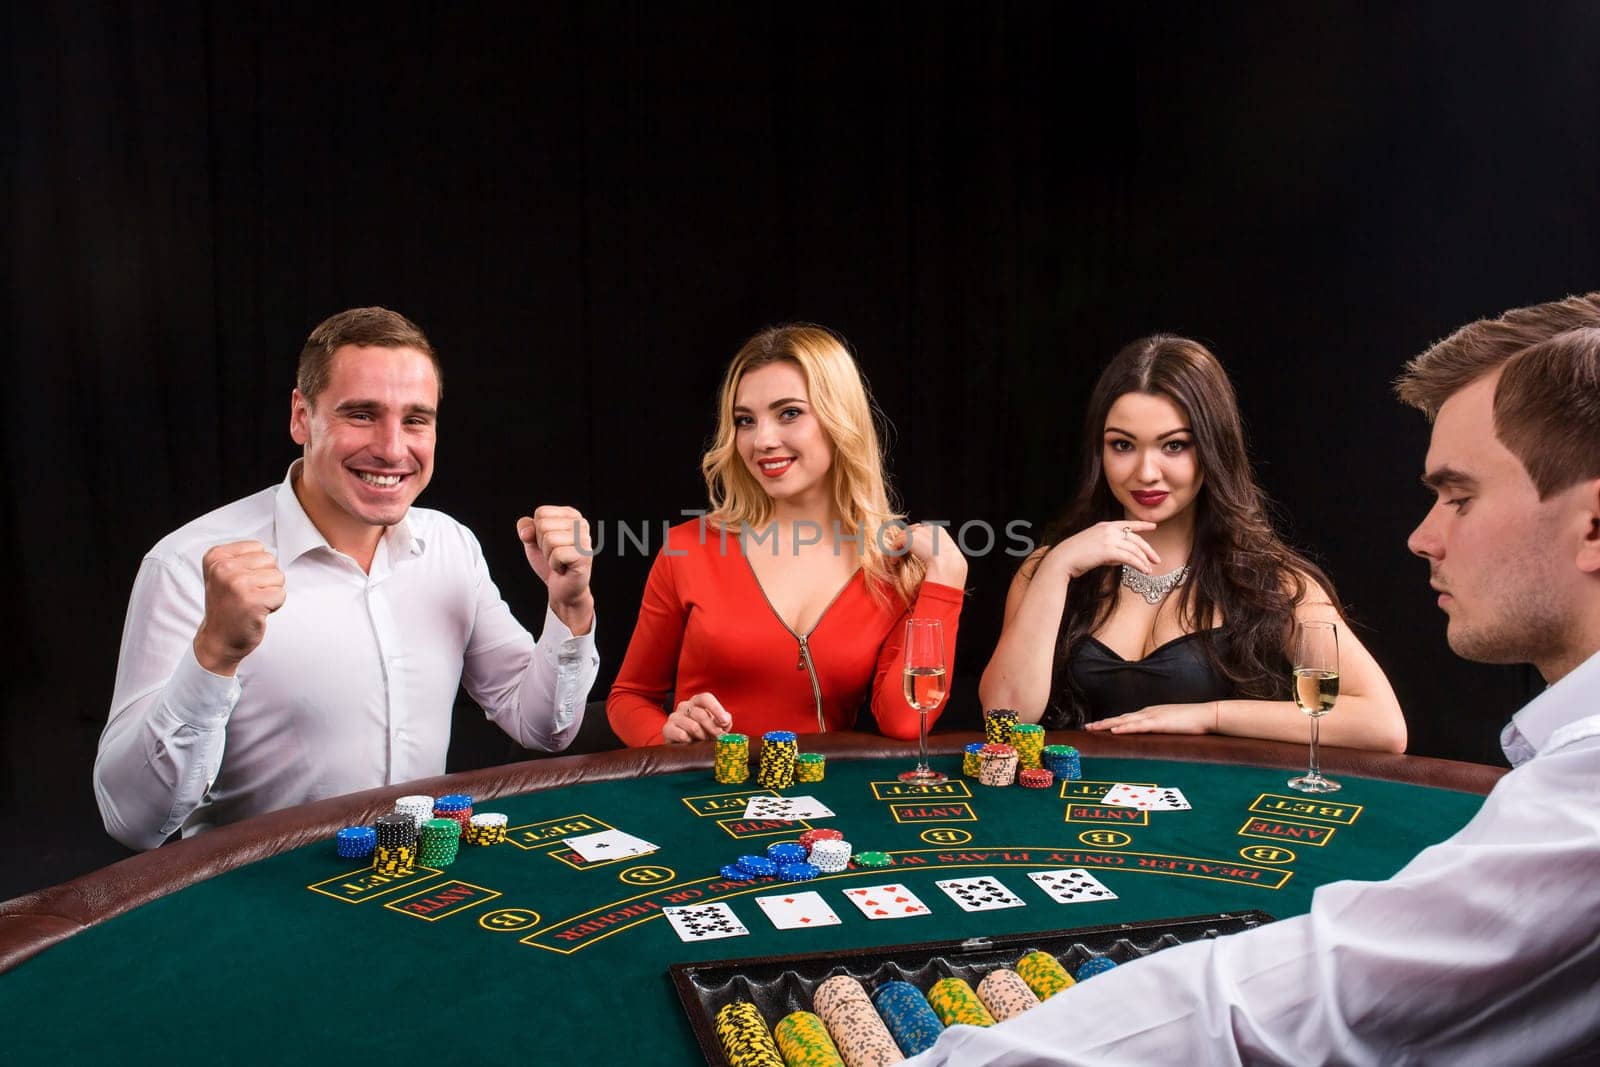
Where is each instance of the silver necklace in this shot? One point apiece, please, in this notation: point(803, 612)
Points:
point(1155, 586)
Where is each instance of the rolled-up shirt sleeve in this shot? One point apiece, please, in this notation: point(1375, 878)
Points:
point(534, 691)
point(1482, 950)
point(163, 743)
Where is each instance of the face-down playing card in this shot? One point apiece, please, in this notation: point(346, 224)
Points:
point(1072, 886)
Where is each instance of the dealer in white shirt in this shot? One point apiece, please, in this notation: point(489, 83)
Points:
point(1485, 949)
point(309, 640)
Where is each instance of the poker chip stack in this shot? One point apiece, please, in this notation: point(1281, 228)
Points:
point(997, 725)
point(779, 750)
point(1028, 737)
point(997, 764)
point(854, 1025)
point(744, 1036)
point(1035, 778)
point(457, 806)
point(1092, 966)
point(804, 1042)
point(956, 1002)
point(356, 842)
point(755, 867)
point(1005, 994)
point(969, 759)
point(811, 837)
point(439, 842)
point(790, 856)
point(733, 759)
point(486, 828)
point(395, 850)
point(1062, 761)
point(419, 807)
point(809, 767)
point(911, 1020)
point(1044, 974)
point(830, 856)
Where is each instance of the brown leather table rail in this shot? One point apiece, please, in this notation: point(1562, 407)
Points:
point(35, 921)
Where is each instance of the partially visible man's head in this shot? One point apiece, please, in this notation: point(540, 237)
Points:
point(1479, 347)
point(1513, 539)
point(363, 327)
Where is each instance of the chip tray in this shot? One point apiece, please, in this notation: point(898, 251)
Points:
point(779, 985)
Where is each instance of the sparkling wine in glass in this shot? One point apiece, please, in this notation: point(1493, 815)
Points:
point(1316, 687)
point(924, 684)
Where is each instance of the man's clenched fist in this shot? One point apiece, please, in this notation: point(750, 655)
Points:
point(556, 540)
point(243, 587)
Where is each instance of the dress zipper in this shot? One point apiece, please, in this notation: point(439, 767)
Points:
point(804, 663)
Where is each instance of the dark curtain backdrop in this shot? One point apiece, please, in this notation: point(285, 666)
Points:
point(589, 205)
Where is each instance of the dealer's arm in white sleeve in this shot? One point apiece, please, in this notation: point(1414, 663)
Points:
point(162, 745)
point(534, 692)
point(1485, 949)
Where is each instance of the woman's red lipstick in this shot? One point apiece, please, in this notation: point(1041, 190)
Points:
point(1149, 497)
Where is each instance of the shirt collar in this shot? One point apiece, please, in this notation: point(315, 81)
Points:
point(1568, 700)
point(297, 534)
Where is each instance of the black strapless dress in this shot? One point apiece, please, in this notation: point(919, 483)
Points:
point(1174, 673)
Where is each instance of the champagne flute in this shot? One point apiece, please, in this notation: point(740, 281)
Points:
point(1316, 687)
point(925, 686)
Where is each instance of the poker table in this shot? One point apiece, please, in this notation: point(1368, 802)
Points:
point(257, 942)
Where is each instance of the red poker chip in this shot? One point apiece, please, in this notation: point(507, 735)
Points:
point(995, 749)
point(1036, 778)
point(810, 837)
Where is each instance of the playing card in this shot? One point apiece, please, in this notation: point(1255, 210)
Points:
point(798, 911)
point(886, 901)
point(705, 922)
point(1146, 797)
point(609, 845)
point(979, 894)
point(786, 808)
point(1074, 886)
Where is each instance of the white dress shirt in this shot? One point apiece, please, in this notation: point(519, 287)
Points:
point(351, 688)
point(1484, 949)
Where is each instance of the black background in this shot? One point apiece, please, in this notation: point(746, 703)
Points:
point(589, 206)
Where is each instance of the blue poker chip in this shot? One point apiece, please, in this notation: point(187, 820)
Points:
point(798, 872)
point(786, 852)
point(735, 873)
point(1095, 965)
point(453, 802)
point(757, 866)
point(780, 735)
point(974, 747)
point(356, 842)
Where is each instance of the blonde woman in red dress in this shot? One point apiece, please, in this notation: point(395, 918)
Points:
point(784, 608)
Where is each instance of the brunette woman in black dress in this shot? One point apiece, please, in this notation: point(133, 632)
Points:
point(1164, 601)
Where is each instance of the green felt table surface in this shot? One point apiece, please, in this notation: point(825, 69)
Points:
point(520, 951)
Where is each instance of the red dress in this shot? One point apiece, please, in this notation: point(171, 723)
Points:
point(705, 626)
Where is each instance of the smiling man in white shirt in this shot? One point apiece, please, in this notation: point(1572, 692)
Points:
point(1485, 949)
point(309, 640)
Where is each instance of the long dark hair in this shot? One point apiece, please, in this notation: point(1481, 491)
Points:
point(1239, 567)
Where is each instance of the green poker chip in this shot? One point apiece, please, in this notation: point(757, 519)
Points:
point(872, 859)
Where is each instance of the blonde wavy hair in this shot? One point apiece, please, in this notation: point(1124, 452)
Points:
point(847, 414)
